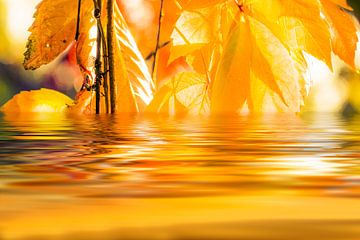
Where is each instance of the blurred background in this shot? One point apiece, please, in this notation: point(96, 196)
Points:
point(332, 92)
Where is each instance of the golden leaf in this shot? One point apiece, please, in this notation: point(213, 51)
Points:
point(186, 93)
point(230, 88)
point(243, 51)
point(197, 4)
point(54, 29)
point(343, 30)
point(265, 62)
point(132, 69)
point(281, 74)
point(43, 100)
point(192, 31)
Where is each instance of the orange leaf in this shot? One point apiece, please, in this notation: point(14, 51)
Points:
point(54, 29)
point(344, 38)
point(230, 88)
point(186, 93)
point(43, 100)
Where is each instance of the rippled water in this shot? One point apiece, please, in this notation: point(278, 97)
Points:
point(265, 177)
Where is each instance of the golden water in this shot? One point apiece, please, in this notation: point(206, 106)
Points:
point(224, 177)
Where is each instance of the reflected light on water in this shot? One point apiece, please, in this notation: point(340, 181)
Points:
point(187, 178)
point(308, 166)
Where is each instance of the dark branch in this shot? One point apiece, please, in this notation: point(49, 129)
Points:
point(77, 33)
point(161, 15)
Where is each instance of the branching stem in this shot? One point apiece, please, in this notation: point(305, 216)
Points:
point(154, 66)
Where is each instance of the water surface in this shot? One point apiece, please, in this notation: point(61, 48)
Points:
point(223, 177)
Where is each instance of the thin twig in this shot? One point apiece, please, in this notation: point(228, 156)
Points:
point(148, 57)
point(111, 57)
point(97, 14)
point(77, 33)
point(105, 69)
point(154, 67)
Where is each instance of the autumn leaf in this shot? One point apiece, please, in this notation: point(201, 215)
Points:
point(43, 100)
point(186, 93)
point(144, 24)
point(251, 41)
point(204, 57)
point(230, 88)
point(134, 86)
point(300, 31)
point(193, 30)
point(274, 65)
point(242, 53)
point(197, 4)
point(54, 30)
point(343, 30)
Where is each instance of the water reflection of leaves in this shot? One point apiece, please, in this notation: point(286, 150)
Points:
point(107, 157)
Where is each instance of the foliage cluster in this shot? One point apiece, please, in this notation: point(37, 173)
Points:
point(234, 54)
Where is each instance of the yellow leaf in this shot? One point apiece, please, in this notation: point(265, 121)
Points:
point(197, 28)
point(196, 4)
point(285, 77)
point(131, 70)
point(186, 93)
point(192, 31)
point(344, 38)
point(205, 60)
point(258, 91)
point(262, 68)
point(268, 59)
point(311, 32)
point(311, 37)
point(230, 88)
point(298, 25)
point(244, 51)
point(43, 100)
point(54, 29)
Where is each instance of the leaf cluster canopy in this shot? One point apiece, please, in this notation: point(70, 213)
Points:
point(240, 54)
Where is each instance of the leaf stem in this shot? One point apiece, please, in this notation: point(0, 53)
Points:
point(154, 66)
point(98, 78)
point(148, 57)
point(105, 69)
point(111, 57)
point(77, 33)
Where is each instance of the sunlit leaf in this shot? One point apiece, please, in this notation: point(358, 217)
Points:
point(272, 51)
point(230, 88)
point(133, 71)
point(54, 29)
point(243, 52)
point(192, 31)
point(281, 73)
point(343, 31)
point(43, 100)
point(196, 4)
point(186, 93)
